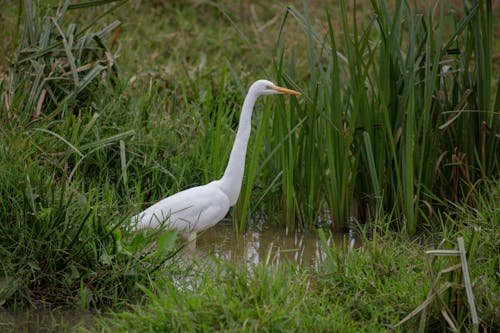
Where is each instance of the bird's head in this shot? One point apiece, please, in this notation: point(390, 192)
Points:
point(265, 87)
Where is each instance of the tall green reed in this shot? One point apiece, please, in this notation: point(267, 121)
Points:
point(397, 117)
point(318, 160)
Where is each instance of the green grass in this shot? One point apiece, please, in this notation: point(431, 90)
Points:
point(284, 298)
point(65, 170)
point(60, 236)
point(371, 288)
point(398, 114)
point(93, 130)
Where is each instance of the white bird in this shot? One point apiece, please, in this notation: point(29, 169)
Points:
point(199, 208)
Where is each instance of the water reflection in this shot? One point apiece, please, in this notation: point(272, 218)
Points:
point(267, 244)
point(44, 320)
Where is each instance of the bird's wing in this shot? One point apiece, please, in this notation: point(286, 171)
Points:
point(194, 209)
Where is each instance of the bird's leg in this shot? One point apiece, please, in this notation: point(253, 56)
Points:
point(190, 248)
point(191, 238)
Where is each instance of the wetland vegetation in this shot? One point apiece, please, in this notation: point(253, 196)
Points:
point(108, 106)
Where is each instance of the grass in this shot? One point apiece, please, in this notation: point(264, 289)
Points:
point(393, 114)
point(229, 298)
point(399, 117)
point(62, 244)
point(65, 178)
point(371, 288)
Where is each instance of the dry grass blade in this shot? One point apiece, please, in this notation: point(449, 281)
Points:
point(39, 104)
point(107, 141)
point(38, 82)
point(69, 53)
point(444, 309)
point(460, 109)
point(468, 284)
point(428, 301)
point(123, 160)
point(108, 29)
point(94, 3)
point(449, 319)
point(443, 253)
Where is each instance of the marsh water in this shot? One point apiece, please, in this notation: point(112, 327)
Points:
point(259, 244)
point(264, 244)
point(44, 320)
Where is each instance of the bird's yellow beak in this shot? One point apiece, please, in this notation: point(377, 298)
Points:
point(285, 90)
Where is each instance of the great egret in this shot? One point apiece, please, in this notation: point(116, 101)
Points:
point(198, 208)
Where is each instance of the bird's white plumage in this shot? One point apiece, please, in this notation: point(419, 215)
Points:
point(198, 208)
point(188, 211)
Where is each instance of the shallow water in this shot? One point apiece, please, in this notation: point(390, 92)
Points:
point(44, 320)
point(264, 244)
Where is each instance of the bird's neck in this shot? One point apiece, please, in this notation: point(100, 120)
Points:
point(233, 176)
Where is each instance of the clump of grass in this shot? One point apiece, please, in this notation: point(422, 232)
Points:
point(76, 171)
point(267, 298)
point(57, 63)
point(371, 288)
point(61, 243)
point(453, 305)
point(66, 188)
point(398, 114)
point(64, 176)
point(227, 299)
